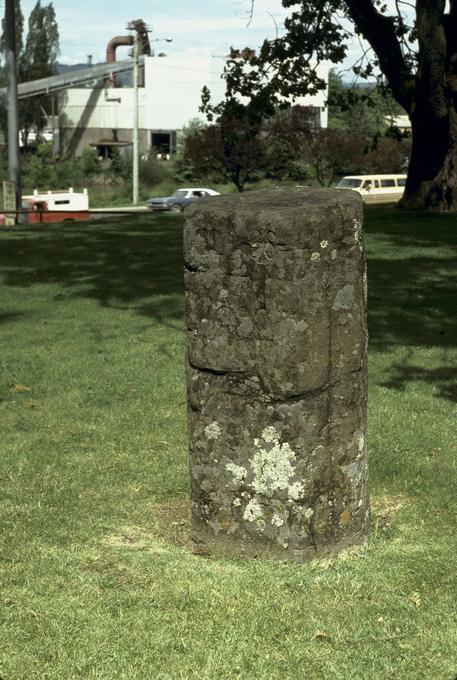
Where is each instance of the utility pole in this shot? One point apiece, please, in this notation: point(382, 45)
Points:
point(14, 167)
point(135, 173)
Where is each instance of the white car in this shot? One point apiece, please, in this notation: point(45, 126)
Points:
point(179, 199)
point(375, 188)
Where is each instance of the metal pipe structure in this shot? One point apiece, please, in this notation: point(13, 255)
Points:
point(66, 80)
point(14, 167)
point(114, 43)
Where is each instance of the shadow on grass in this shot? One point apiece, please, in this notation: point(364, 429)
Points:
point(133, 262)
point(137, 263)
point(412, 291)
point(443, 378)
point(6, 317)
point(412, 302)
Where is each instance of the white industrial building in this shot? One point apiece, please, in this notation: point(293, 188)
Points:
point(102, 117)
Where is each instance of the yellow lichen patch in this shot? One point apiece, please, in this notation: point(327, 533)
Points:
point(345, 518)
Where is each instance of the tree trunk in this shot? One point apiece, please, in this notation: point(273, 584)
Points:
point(432, 176)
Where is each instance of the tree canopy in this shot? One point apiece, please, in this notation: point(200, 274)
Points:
point(413, 47)
point(241, 147)
point(36, 58)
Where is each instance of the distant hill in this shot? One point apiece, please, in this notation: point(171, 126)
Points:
point(67, 68)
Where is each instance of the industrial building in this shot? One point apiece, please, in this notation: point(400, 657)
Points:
point(95, 106)
point(168, 99)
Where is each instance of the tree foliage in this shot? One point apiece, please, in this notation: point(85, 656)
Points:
point(367, 110)
point(241, 148)
point(36, 58)
point(19, 30)
point(413, 47)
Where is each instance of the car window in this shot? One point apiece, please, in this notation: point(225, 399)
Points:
point(368, 184)
point(180, 192)
point(376, 183)
point(198, 193)
point(401, 181)
point(387, 182)
point(350, 182)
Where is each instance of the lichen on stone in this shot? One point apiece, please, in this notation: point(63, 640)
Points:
point(344, 298)
point(213, 431)
point(238, 472)
point(273, 466)
point(277, 520)
point(361, 442)
point(357, 232)
point(252, 511)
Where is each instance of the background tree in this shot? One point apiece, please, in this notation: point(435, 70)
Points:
point(184, 169)
point(331, 154)
point(19, 28)
point(242, 146)
point(366, 110)
point(286, 137)
point(225, 151)
point(37, 58)
point(416, 56)
point(361, 135)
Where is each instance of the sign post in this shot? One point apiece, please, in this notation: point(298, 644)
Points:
point(14, 163)
point(9, 202)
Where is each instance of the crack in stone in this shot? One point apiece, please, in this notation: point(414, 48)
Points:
point(213, 371)
point(310, 394)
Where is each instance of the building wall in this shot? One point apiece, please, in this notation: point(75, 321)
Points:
point(174, 86)
point(169, 100)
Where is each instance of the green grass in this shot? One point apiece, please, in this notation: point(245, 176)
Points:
point(97, 579)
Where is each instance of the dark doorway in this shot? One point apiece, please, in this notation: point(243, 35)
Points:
point(162, 142)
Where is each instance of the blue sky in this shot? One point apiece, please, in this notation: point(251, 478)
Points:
point(197, 26)
point(200, 26)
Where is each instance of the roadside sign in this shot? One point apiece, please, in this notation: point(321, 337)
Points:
point(9, 202)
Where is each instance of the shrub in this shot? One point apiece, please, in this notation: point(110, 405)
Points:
point(152, 171)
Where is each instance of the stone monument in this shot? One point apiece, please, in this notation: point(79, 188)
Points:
point(276, 372)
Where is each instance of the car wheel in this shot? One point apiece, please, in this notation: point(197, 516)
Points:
point(176, 207)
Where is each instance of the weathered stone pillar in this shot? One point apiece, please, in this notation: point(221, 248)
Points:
point(277, 385)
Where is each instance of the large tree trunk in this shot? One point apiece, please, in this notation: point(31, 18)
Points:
point(432, 176)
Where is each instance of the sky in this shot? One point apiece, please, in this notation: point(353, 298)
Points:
point(197, 27)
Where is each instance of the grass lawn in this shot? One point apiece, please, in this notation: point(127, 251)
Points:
point(97, 579)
